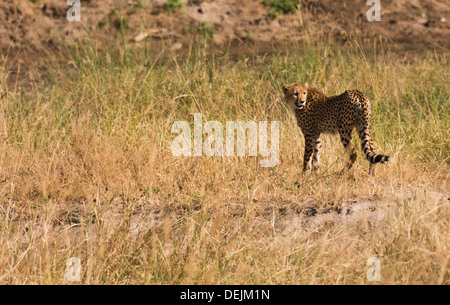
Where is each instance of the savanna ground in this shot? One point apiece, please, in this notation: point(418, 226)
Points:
point(86, 169)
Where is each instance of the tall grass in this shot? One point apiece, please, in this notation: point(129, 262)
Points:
point(86, 170)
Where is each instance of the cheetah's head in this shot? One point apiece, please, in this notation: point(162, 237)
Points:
point(295, 95)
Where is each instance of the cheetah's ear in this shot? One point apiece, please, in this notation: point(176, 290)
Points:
point(285, 88)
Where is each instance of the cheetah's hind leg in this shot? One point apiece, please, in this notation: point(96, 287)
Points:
point(346, 140)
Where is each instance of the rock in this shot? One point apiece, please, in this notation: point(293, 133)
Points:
point(423, 21)
point(176, 46)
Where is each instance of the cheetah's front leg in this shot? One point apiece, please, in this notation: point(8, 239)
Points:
point(310, 142)
point(316, 155)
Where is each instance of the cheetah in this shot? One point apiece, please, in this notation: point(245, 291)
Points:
point(317, 113)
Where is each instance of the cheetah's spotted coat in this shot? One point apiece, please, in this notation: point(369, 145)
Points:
point(316, 114)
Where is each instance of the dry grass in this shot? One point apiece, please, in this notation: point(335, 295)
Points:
point(86, 170)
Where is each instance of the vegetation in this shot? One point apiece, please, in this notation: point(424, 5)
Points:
point(280, 7)
point(138, 4)
point(173, 5)
point(86, 171)
point(205, 30)
point(122, 23)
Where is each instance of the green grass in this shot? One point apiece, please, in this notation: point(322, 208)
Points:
point(206, 31)
point(122, 23)
point(280, 7)
point(173, 5)
point(138, 4)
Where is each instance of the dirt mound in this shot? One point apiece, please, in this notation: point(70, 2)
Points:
point(290, 219)
point(248, 26)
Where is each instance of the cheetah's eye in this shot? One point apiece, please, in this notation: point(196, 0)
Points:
point(304, 93)
point(296, 95)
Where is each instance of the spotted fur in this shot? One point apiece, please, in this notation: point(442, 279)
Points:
point(316, 114)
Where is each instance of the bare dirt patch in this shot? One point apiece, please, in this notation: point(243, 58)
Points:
point(291, 220)
point(246, 26)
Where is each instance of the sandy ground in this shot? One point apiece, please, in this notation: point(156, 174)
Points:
point(30, 31)
point(27, 29)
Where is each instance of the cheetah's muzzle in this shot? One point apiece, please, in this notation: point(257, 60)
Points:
point(300, 105)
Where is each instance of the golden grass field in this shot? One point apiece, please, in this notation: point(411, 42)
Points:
point(86, 171)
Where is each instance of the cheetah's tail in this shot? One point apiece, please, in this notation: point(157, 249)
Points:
point(368, 149)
